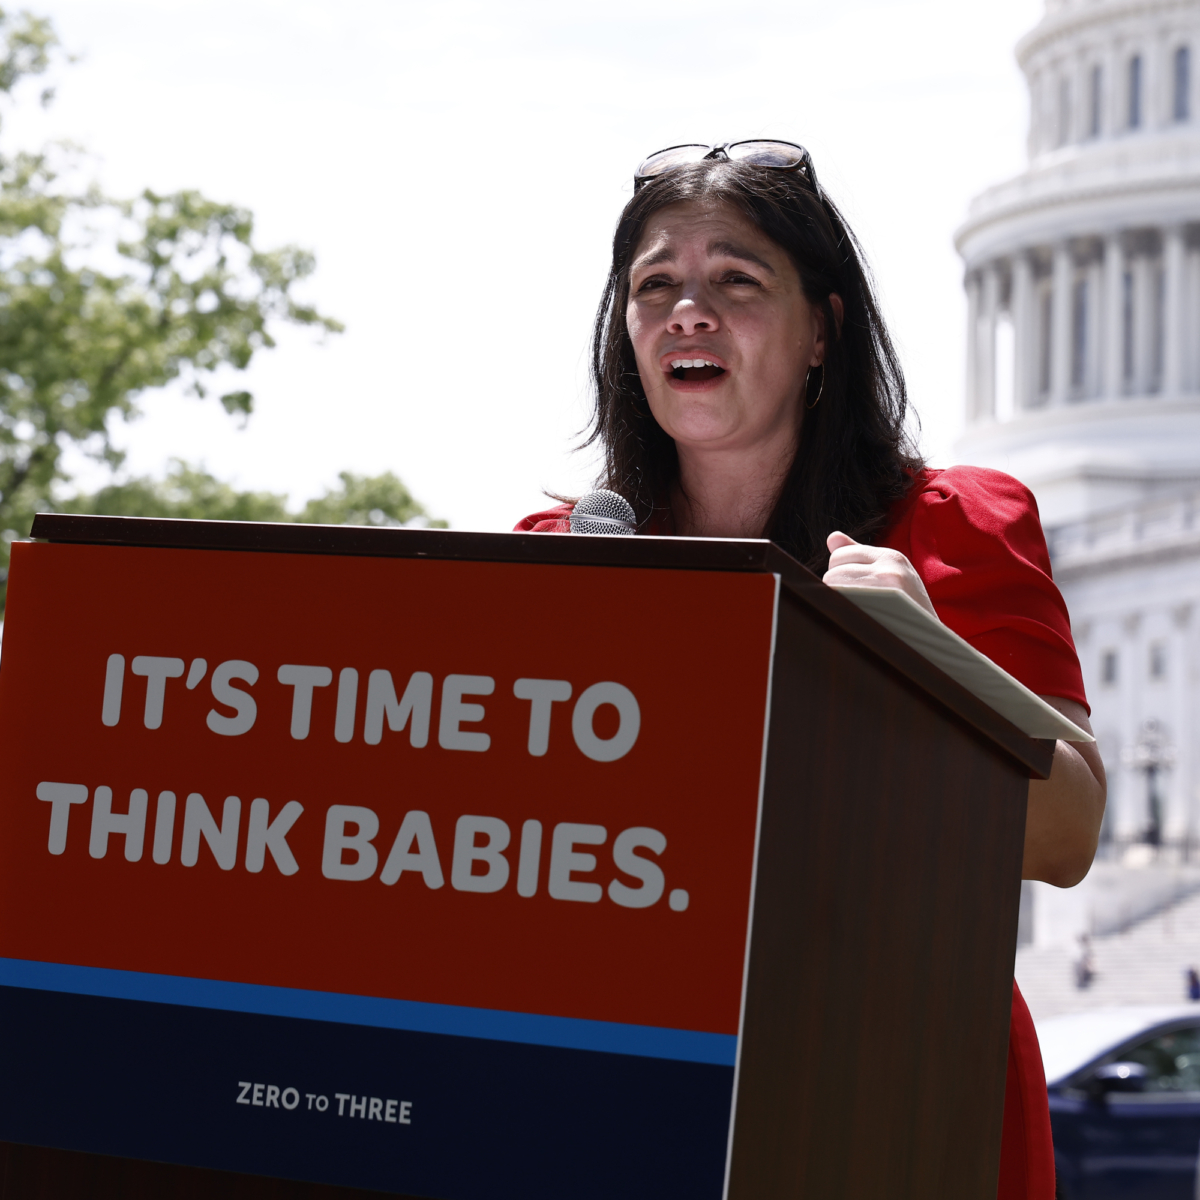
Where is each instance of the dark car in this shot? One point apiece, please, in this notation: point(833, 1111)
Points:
point(1125, 1102)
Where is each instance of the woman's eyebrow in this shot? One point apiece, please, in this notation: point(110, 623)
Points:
point(721, 247)
point(733, 250)
point(666, 254)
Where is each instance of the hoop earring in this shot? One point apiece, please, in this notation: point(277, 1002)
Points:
point(820, 390)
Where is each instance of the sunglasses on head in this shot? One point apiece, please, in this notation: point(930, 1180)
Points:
point(782, 156)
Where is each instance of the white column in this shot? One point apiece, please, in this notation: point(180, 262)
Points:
point(972, 381)
point(1113, 383)
point(1022, 319)
point(1060, 326)
point(1173, 309)
point(1188, 320)
point(989, 302)
point(1033, 138)
point(1185, 721)
point(1111, 93)
point(1178, 680)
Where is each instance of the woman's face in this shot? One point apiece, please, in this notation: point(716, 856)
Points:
point(708, 288)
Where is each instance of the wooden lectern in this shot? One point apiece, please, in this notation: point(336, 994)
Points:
point(475, 866)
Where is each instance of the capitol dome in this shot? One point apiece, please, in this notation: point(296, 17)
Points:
point(1083, 272)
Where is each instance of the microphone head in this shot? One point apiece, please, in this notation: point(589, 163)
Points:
point(603, 512)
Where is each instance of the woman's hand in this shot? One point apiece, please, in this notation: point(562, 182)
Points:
point(851, 562)
point(1063, 819)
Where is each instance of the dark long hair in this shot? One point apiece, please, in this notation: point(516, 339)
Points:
point(854, 459)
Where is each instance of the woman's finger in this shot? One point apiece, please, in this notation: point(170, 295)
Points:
point(855, 553)
point(885, 571)
point(838, 539)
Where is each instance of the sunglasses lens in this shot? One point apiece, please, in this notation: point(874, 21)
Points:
point(766, 154)
point(668, 160)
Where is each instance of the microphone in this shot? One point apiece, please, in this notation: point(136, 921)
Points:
point(604, 512)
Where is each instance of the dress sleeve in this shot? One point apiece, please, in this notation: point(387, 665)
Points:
point(975, 539)
point(551, 520)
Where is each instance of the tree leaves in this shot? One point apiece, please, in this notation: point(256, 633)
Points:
point(80, 344)
point(103, 300)
point(191, 492)
point(28, 44)
point(188, 491)
point(367, 500)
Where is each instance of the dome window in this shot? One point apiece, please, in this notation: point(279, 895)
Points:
point(1158, 661)
point(1127, 328)
point(1095, 101)
point(1108, 666)
point(1135, 92)
point(1079, 335)
point(1181, 108)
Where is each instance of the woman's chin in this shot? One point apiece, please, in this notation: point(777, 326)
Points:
point(705, 435)
point(693, 414)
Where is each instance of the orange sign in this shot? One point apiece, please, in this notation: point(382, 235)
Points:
point(521, 788)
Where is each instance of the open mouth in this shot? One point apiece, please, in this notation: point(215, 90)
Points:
point(695, 369)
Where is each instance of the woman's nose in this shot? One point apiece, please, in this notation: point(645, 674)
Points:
point(692, 315)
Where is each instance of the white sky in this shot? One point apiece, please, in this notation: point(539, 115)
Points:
point(458, 169)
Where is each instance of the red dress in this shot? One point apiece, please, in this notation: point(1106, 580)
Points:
point(975, 539)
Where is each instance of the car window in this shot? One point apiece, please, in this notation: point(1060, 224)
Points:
point(1172, 1061)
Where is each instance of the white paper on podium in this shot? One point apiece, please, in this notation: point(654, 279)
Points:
point(902, 615)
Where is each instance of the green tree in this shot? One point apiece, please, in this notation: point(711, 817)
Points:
point(191, 492)
point(187, 491)
point(368, 500)
point(103, 300)
point(80, 345)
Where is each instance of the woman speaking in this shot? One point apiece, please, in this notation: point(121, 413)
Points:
point(746, 387)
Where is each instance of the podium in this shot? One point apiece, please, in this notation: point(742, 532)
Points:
point(470, 866)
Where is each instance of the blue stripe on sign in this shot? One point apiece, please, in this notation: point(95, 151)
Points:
point(571, 1033)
